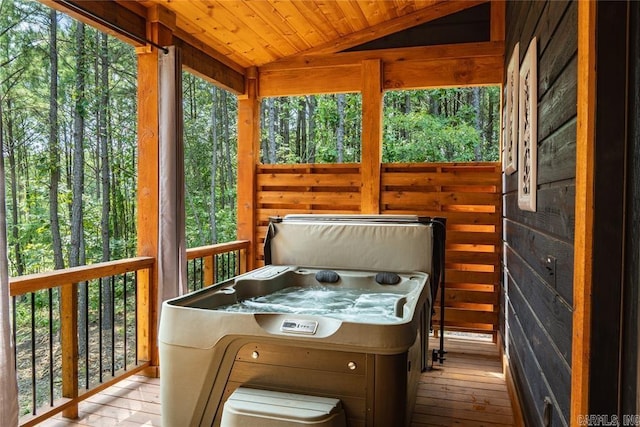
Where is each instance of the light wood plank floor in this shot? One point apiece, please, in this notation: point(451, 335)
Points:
point(467, 390)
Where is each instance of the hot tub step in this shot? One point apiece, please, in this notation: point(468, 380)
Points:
point(266, 408)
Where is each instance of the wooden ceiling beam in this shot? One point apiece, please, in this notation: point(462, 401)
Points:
point(435, 11)
point(461, 50)
point(107, 16)
point(202, 65)
point(403, 74)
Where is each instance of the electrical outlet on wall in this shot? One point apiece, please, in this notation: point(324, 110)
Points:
point(550, 265)
point(546, 413)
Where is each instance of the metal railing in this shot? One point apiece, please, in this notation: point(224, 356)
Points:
point(80, 330)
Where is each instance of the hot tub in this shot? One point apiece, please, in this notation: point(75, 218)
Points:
point(322, 325)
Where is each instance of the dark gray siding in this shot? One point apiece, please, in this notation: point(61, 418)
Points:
point(537, 311)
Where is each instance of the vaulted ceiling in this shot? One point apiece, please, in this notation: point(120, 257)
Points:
point(257, 32)
point(313, 46)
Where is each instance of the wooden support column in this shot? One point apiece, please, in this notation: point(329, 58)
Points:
point(371, 136)
point(583, 244)
point(498, 10)
point(148, 188)
point(248, 157)
point(69, 340)
point(209, 270)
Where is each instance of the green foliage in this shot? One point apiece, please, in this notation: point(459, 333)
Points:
point(441, 125)
point(24, 93)
point(210, 130)
point(307, 128)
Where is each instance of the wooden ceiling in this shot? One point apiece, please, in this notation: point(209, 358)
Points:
point(257, 32)
point(313, 46)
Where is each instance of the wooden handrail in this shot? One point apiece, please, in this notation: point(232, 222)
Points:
point(35, 282)
point(208, 254)
point(217, 249)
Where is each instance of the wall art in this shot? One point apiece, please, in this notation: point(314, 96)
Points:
point(528, 129)
point(510, 135)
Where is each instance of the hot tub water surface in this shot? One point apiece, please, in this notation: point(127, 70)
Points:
point(354, 305)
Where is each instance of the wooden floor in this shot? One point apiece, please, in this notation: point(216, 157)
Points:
point(467, 390)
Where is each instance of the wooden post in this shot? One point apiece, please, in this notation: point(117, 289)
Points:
point(148, 189)
point(243, 261)
point(248, 157)
point(498, 10)
point(371, 136)
point(209, 270)
point(583, 244)
point(69, 340)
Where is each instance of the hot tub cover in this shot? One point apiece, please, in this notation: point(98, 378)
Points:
point(395, 243)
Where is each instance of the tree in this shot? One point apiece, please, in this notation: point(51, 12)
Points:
point(76, 255)
point(54, 155)
point(105, 175)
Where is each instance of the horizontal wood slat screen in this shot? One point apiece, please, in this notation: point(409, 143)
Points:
point(467, 194)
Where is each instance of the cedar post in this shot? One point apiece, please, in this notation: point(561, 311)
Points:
point(248, 156)
point(69, 340)
point(148, 185)
point(583, 244)
point(371, 136)
point(209, 270)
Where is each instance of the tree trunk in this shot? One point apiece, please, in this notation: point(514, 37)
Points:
point(340, 130)
point(105, 179)
point(214, 164)
point(78, 150)
point(311, 145)
point(54, 154)
point(229, 182)
point(475, 101)
point(10, 145)
point(77, 183)
point(271, 108)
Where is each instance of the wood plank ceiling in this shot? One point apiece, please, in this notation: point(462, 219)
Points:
point(257, 32)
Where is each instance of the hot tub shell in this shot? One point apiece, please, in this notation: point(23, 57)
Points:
point(373, 368)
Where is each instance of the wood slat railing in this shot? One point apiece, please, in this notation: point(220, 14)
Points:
point(65, 337)
point(55, 297)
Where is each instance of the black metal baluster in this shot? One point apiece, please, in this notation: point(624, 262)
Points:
point(193, 275)
point(135, 312)
point(124, 291)
point(86, 334)
point(112, 285)
point(227, 270)
point(50, 292)
point(100, 329)
point(33, 353)
point(217, 267)
point(15, 335)
point(234, 258)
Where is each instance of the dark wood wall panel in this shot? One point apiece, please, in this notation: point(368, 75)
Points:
point(534, 247)
point(538, 294)
point(558, 218)
point(556, 316)
point(552, 365)
point(557, 154)
point(533, 384)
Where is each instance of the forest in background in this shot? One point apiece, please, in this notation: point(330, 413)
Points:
point(69, 142)
point(436, 125)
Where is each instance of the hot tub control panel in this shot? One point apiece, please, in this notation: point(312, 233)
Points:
point(299, 326)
